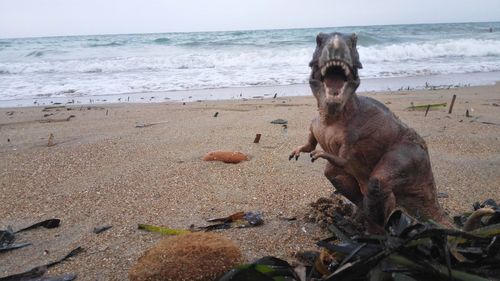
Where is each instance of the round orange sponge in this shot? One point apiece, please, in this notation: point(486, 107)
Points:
point(233, 157)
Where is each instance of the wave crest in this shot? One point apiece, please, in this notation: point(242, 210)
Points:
point(162, 40)
point(429, 50)
point(108, 44)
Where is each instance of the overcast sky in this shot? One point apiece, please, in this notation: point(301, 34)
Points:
point(27, 18)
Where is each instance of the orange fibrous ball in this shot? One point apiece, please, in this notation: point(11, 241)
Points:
point(193, 256)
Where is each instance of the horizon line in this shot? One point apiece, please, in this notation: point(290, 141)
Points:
point(241, 30)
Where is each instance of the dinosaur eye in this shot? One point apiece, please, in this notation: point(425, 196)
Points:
point(354, 40)
point(319, 38)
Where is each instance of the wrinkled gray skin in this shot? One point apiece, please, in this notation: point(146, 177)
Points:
point(374, 159)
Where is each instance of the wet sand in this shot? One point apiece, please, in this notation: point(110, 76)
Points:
point(103, 170)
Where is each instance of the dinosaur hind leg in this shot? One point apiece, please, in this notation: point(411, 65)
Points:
point(403, 172)
point(344, 184)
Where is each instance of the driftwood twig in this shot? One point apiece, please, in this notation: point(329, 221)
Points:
point(144, 125)
point(452, 103)
point(53, 120)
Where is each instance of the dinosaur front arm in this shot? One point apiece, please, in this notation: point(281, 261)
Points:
point(334, 160)
point(308, 147)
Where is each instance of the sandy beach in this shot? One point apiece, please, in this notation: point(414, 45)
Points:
point(103, 170)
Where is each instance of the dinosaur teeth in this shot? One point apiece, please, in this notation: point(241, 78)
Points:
point(346, 69)
point(338, 63)
point(323, 70)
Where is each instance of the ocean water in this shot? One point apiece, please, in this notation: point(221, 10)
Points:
point(88, 66)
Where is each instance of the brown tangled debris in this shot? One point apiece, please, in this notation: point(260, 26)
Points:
point(326, 211)
point(193, 256)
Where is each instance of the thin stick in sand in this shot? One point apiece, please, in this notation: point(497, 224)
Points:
point(144, 125)
point(257, 138)
point(57, 120)
point(452, 103)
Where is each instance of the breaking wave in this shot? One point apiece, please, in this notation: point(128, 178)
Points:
point(429, 50)
point(115, 64)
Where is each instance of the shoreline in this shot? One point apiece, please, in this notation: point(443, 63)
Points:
point(370, 85)
point(103, 170)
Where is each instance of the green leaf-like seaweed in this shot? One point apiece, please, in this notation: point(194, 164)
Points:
point(163, 230)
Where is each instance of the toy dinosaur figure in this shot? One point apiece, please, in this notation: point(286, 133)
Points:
point(374, 159)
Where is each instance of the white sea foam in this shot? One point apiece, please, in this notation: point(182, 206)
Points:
point(450, 48)
point(118, 64)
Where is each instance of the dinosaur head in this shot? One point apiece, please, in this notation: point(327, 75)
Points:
point(334, 71)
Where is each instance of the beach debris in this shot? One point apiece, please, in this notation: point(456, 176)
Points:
point(216, 114)
point(56, 107)
point(49, 224)
point(328, 210)
point(265, 269)
point(9, 113)
point(87, 108)
point(314, 262)
point(253, 218)
point(11, 246)
point(284, 127)
point(415, 250)
point(35, 276)
point(495, 104)
point(50, 141)
point(452, 103)
point(412, 249)
point(144, 125)
point(483, 214)
point(443, 195)
point(427, 110)
point(275, 95)
point(163, 230)
point(279, 121)
point(288, 218)
point(257, 138)
point(426, 107)
point(236, 220)
point(7, 236)
point(233, 157)
point(36, 273)
point(409, 250)
point(194, 256)
point(100, 229)
point(53, 120)
point(486, 122)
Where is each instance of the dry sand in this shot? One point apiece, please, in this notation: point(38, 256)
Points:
point(103, 170)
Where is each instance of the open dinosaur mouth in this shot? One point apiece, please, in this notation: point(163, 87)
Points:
point(335, 75)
